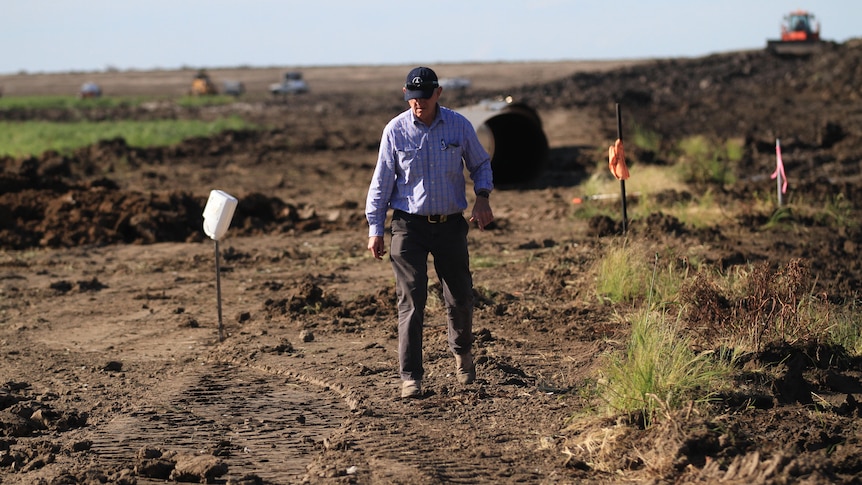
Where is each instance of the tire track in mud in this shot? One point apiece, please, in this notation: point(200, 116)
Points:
point(256, 422)
point(390, 440)
point(442, 439)
point(404, 453)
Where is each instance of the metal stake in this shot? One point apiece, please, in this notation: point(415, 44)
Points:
point(218, 293)
point(622, 182)
point(778, 177)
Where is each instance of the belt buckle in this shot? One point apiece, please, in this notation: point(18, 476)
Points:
point(434, 219)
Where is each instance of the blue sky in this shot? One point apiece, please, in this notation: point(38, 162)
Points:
point(92, 35)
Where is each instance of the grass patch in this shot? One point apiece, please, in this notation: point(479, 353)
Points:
point(20, 139)
point(659, 370)
point(701, 160)
point(737, 313)
point(67, 103)
point(645, 139)
point(758, 305)
point(845, 330)
point(480, 261)
point(622, 276)
point(627, 274)
point(73, 103)
point(601, 192)
point(780, 217)
point(838, 212)
point(203, 101)
point(701, 211)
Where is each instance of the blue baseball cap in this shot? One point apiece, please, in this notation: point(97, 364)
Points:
point(420, 83)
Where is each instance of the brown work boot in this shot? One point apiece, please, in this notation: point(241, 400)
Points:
point(411, 389)
point(465, 370)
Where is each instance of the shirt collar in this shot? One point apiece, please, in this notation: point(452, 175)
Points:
point(438, 117)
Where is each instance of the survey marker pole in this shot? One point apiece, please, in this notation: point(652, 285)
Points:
point(622, 181)
point(218, 293)
point(217, 216)
point(779, 172)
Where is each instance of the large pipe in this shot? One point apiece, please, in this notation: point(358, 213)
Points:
point(513, 136)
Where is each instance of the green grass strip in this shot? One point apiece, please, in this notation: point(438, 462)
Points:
point(105, 102)
point(20, 139)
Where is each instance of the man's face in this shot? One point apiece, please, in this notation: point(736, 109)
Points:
point(423, 108)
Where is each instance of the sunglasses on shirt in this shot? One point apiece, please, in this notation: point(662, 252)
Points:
point(421, 87)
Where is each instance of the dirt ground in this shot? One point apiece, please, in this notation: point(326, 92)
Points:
point(113, 371)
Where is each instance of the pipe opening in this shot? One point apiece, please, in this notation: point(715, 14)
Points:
point(513, 136)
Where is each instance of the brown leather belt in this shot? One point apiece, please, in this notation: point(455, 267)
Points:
point(432, 219)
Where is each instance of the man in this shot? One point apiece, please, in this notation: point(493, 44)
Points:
point(420, 175)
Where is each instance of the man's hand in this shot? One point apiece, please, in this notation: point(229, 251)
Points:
point(482, 214)
point(375, 245)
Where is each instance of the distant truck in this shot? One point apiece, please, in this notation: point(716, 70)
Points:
point(455, 83)
point(293, 83)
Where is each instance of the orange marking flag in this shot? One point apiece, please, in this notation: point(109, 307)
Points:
point(617, 160)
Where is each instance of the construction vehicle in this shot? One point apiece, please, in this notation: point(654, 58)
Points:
point(800, 35)
point(293, 83)
point(202, 85)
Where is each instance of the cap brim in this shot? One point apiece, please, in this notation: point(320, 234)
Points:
point(418, 94)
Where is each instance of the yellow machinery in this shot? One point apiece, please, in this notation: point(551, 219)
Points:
point(202, 85)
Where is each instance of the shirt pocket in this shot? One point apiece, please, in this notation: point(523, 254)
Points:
point(452, 158)
point(408, 163)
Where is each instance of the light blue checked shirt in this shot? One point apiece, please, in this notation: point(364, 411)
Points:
point(420, 169)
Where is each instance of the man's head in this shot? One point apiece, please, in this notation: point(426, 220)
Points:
point(421, 83)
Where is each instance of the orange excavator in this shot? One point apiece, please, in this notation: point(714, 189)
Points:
point(202, 85)
point(800, 35)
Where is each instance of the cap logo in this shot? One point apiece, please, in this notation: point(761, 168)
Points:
point(417, 80)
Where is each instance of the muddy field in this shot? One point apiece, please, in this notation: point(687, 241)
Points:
point(112, 369)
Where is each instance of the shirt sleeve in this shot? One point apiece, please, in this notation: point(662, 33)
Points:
point(380, 190)
point(477, 160)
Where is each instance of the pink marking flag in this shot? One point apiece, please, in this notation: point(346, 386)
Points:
point(779, 167)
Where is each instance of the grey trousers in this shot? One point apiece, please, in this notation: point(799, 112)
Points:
point(413, 239)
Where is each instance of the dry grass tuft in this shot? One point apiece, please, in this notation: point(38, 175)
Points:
point(772, 304)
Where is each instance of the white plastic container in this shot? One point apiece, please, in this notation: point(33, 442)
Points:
point(218, 213)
